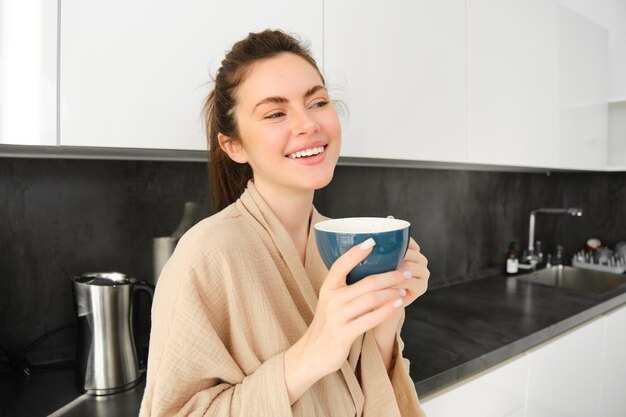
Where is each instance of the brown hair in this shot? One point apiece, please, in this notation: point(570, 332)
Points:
point(227, 178)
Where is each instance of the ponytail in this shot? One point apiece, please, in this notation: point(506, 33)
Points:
point(227, 178)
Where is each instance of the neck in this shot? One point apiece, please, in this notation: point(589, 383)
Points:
point(293, 209)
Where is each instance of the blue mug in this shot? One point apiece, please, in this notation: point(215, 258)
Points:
point(334, 237)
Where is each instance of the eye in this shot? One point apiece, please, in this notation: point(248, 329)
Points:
point(275, 115)
point(319, 103)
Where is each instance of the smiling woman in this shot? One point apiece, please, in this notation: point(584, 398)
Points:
point(283, 109)
point(247, 319)
point(269, 105)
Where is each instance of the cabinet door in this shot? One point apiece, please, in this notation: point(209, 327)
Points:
point(135, 73)
point(28, 72)
point(611, 14)
point(617, 136)
point(497, 392)
point(565, 374)
point(613, 401)
point(583, 85)
point(400, 68)
point(513, 82)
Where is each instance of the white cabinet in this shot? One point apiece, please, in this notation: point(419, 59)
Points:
point(513, 82)
point(612, 398)
point(28, 72)
point(565, 374)
point(611, 14)
point(135, 74)
point(498, 392)
point(401, 69)
point(617, 136)
point(583, 91)
point(480, 81)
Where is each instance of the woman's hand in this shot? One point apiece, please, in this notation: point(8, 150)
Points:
point(417, 264)
point(343, 313)
point(415, 268)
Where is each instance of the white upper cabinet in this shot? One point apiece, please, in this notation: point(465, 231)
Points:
point(28, 72)
point(401, 69)
point(513, 82)
point(583, 91)
point(134, 74)
point(610, 14)
point(617, 136)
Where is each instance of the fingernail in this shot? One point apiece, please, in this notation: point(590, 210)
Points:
point(407, 274)
point(402, 292)
point(397, 303)
point(367, 244)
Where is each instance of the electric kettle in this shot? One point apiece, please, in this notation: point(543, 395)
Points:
point(106, 356)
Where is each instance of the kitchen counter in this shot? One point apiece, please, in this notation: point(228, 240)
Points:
point(53, 393)
point(454, 332)
point(450, 334)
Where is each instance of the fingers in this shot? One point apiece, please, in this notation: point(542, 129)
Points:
point(416, 287)
point(418, 282)
point(371, 301)
point(393, 279)
point(346, 262)
point(375, 317)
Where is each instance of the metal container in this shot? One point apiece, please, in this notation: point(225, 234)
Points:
point(107, 359)
point(162, 250)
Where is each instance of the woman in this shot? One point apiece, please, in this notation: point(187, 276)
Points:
point(247, 320)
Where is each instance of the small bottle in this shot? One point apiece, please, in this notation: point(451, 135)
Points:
point(559, 259)
point(538, 252)
point(512, 259)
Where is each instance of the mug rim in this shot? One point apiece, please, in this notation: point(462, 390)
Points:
point(325, 225)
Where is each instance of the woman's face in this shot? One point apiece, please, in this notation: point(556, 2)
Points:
point(289, 130)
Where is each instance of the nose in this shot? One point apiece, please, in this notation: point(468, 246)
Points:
point(304, 123)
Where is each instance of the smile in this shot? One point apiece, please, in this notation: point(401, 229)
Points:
point(307, 152)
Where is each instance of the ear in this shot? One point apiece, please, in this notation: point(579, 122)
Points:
point(233, 148)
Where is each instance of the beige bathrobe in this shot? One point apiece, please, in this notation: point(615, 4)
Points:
point(233, 297)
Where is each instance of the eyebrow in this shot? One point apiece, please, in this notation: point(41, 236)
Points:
point(280, 100)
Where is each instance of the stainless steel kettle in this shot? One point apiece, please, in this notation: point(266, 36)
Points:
point(106, 355)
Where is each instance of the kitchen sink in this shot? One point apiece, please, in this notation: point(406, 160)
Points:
point(584, 280)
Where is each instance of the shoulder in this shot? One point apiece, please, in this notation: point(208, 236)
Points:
point(219, 233)
point(205, 255)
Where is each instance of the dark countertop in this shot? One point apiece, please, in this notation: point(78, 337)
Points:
point(450, 333)
point(53, 393)
point(454, 332)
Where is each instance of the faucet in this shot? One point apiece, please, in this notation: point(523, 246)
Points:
point(573, 211)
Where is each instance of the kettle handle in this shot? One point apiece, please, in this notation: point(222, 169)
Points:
point(143, 286)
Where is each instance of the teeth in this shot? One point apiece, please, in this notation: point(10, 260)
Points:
point(307, 152)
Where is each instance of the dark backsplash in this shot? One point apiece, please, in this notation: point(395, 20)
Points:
point(61, 217)
point(464, 220)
